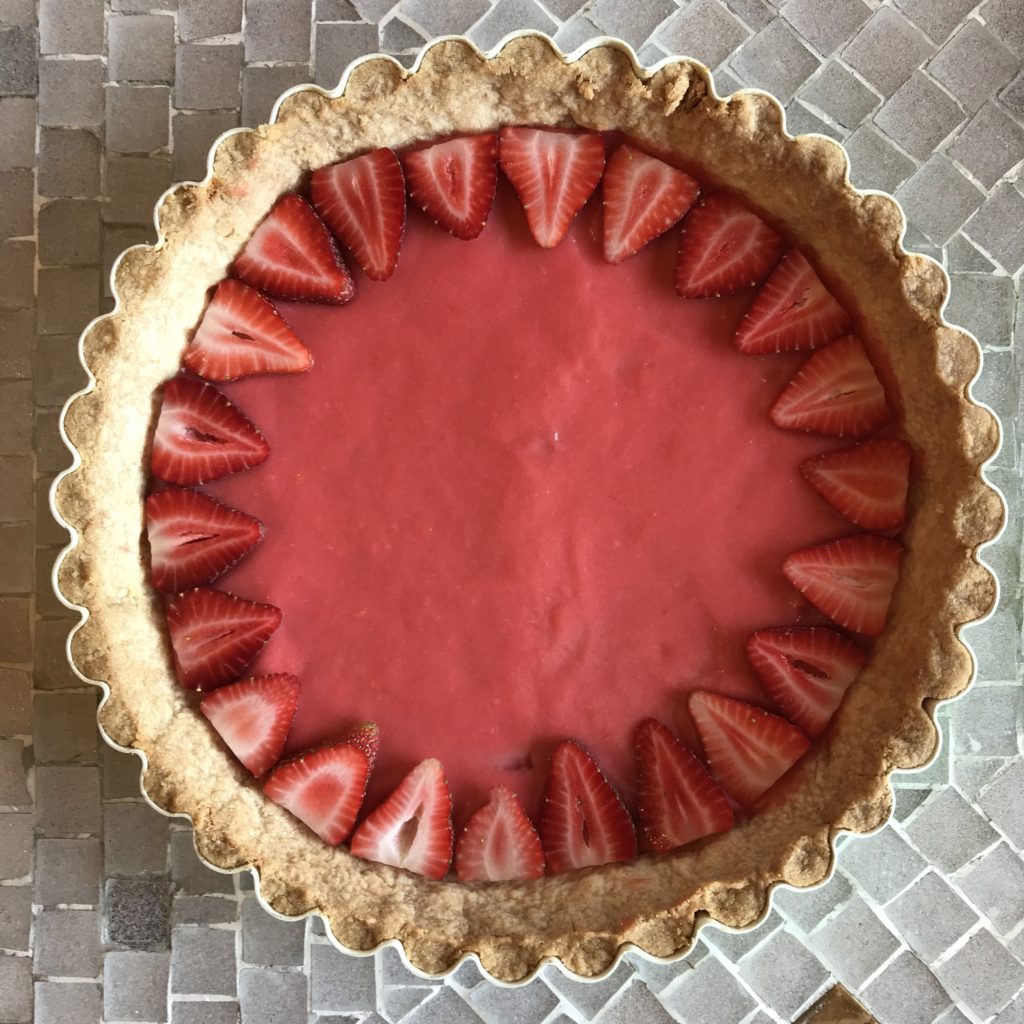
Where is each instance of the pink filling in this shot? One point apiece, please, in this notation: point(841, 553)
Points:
point(522, 495)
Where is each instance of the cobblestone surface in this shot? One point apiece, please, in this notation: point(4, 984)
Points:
point(104, 907)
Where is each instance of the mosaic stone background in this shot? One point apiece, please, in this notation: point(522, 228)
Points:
point(105, 912)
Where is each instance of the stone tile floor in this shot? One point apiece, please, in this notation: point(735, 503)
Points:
point(105, 912)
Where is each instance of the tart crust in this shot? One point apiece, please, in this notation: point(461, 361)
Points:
point(583, 918)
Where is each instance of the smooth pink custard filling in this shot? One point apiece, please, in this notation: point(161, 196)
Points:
point(522, 495)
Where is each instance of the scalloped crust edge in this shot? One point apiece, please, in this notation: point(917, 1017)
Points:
point(584, 919)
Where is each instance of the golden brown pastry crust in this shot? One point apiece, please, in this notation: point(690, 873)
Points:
point(582, 918)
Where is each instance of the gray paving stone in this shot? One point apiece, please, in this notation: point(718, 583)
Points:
point(18, 13)
point(15, 538)
point(18, 129)
point(68, 298)
point(635, 23)
point(952, 1016)
point(15, 845)
point(190, 874)
point(982, 974)
point(393, 970)
point(444, 19)
point(397, 36)
point(70, 93)
point(134, 183)
point(342, 983)
point(1013, 97)
point(134, 839)
point(931, 916)
point(658, 977)
point(67, 801)
point(71, 27)
point(510, 16)
point(937, 17)
point(838, 93)
point(15, 435)
point(990, 146)
point(1003, 18)
point(19, 71)
point(207, 77)
point(141, 6)
point(271, 997)
point(15, 203)
point(15, 917)
point(69, 232)
point(268, 941)
point(138, 118)
point(887, 995)
point(277, 30)
point(203, 19)
point(396, 1003)
point(337, 46)
point(138, 913)
point(367, 10)
point(998, 227)
point(50, 670)
point(67, 1003)
point(883, 864)
point(575, 32)
point(991, 720)
point(776, 60)
point(987, 717)
point(531, 1002)
point(15, 504)
point(634, 1003)
point(115, 240)
point(854, 943)
point(67, 943)
point(784, 973)
point(15, 692)
point(589, 997)
point(15, 641)
point(67, 871)
point(949, 831)
point(706, 30)
point(51, 455)
point(135, 986)
point(141, 48)
point(973, 65)
point(919, 116)
point(708, 995)
point(939, 199)
point(983, 303)
point(888, 50)
point(65, 727)
point(736, 945)
point(17, 262)
point(826, 25)
point(57, 373)
point(203, 910)
point(446, 1006)
point(203, 962)
point(17, 328)
point(16, 988)
point(995, 885)
point(221, 1012)
point(69, 162)
point(262, 86)
point(14, 759)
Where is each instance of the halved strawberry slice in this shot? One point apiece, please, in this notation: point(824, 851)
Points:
point(748, 749)
point(643, 198)
point(850, 580)
point(554, 172)
point(201, 436)
point(806, 670)
point(193, 538)
point(835, 392)
point(677, 802)
point(254, 718)
point(242, 335)
point(500, 843)
point(292, 255)
point(867, 483)
point(793, 310)
point(324, 788)
point(367, 738)
point(215, 635)
point(412, 829)
point(584, 821)
point(723, 248)
point(363, 202)
point(453, 182)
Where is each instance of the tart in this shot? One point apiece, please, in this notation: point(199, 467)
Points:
point(527, 507)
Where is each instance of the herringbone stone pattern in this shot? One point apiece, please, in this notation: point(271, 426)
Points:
point(106, 913)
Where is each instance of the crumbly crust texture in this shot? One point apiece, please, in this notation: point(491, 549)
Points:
point(582, 918)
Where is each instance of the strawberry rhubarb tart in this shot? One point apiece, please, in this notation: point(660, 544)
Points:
point(526, 506)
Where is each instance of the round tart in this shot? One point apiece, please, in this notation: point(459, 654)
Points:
point(525, 507)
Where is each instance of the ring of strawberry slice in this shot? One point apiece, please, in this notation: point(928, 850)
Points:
point(684, 795)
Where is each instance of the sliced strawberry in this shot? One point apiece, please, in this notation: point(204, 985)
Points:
point(367, 738)
point(412, 829)
point(201, 436)
point(363, 202)
point(643, 198)
point(254, 718)
point(554, 172)
point(292, 255)
point(676, 800)
point(806, 670)
point(242, 335)
point(867, 483)
point(215, 635)
point(324, 788)
point(835, 392)
point(453, 182)
point(850, 580)
point(500, 843)
point(584, 821)
point(723, 248)
point(193, 538)
point(793, 310)
point(748, 749)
